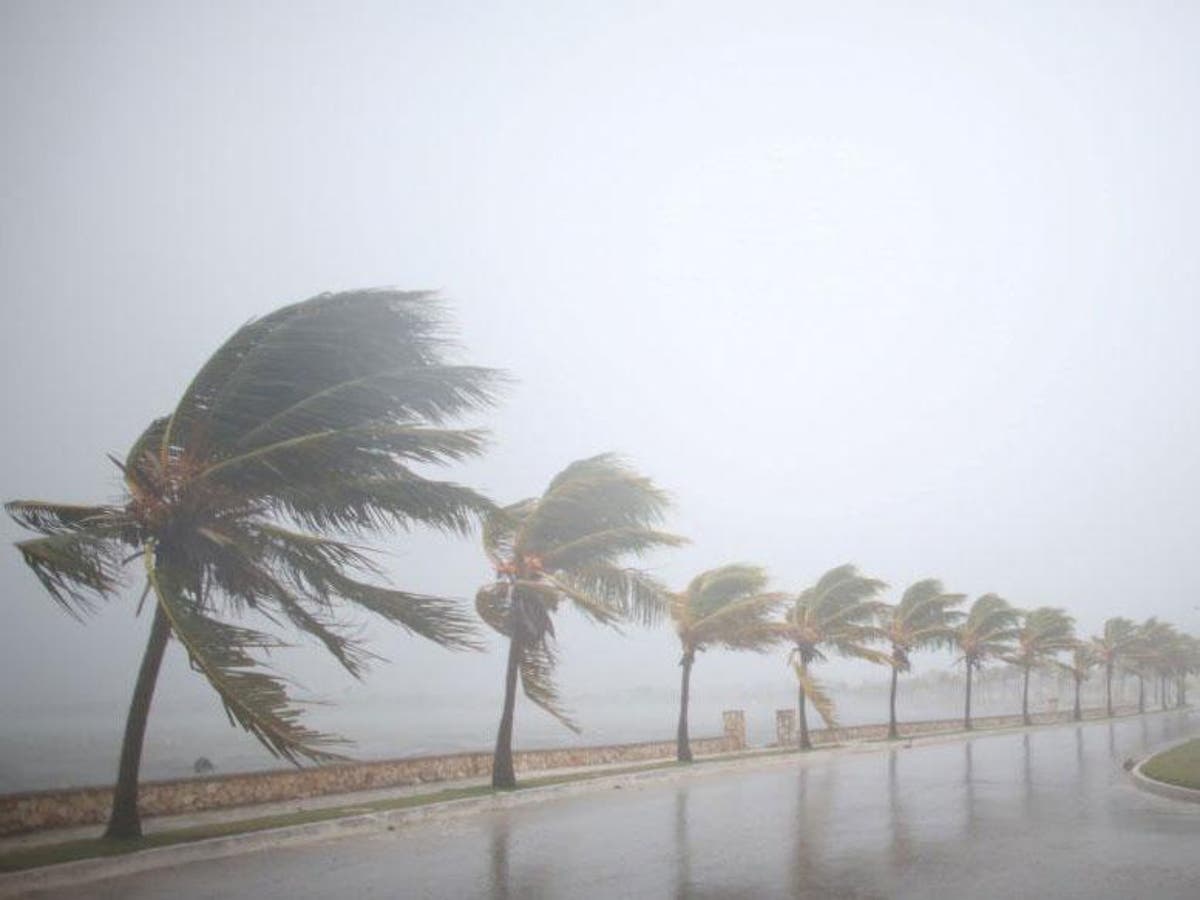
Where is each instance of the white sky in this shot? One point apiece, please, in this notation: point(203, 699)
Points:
point(910, 288)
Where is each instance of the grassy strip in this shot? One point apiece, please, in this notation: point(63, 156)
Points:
point(1179, 766)
point(92, 848)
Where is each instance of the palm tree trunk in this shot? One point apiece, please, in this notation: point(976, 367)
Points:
point(1108, 673)
point(892, 732)
point(683, 748)
point(1141, 693)
point(1078, 707)
point(1162, 689)
point(503, 775)
point(125, 821)
point(805, 741)
point(1025, 698)
point(967, 712)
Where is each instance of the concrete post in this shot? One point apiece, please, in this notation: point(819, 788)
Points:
point(785, 727)
point(735, 728)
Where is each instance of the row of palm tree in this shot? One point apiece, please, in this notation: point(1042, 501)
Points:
point(301, 438)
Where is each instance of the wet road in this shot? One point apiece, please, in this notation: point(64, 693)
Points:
point(1040, 814)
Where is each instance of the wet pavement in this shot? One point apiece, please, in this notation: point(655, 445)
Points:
point(1043, 813)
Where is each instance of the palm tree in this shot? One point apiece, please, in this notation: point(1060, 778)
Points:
point(986, 633)
point(567, 545)
point(1083, 660)
point(922, 620)
point(1154, 639)
point(304, 422)
point(1117, 640)
point(1042, 633)
point(834, 613)
point(724, 607)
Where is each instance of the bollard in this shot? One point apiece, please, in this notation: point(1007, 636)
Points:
point(735, 728)
point(785, 727)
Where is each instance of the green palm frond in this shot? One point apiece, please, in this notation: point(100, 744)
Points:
point(590, 496)
point(537, 681)
point(253, 698)
point(335, 361)
point(815, 693)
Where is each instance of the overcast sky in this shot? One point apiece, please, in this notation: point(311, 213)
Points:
point(910, 288)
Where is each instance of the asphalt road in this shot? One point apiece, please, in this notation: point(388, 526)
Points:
point(1045, 813)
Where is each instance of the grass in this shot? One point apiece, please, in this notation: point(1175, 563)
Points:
point(1179, 765)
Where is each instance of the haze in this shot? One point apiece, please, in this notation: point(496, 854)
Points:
point(913, 289)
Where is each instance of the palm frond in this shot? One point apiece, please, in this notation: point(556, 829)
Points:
point(254, 698)
point(538, 661)
point(333, 361)
point(815, 693)
point(633, 594)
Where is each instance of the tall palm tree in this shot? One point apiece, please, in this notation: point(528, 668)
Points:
point(567, 545)
point(835, 613)
point(1117, 640)
point(1154, 638)
point(924, 619)
point(1083, 660)
point(986, 633)
point(1042, 633)
point(723, 607)
point(305, 422)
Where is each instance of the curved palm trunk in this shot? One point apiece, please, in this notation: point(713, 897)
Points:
point(503, 775)
point(1078, 707)
point(683, 747)
point(125, 821)
point(967, 712)
point(1025, 698)
point(892, 732)
point(1108, 673)
point(805, 741)
point(1141, 693)
point(1162, 690)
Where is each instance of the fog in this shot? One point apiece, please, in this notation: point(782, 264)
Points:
point(913, 289)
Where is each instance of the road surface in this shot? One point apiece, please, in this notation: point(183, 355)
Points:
point(1043, 813)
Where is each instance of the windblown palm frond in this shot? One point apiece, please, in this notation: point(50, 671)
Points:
point(1042, 633)
point(729, 607)
point(313, 417)
point(924, 619)
point(988, 630)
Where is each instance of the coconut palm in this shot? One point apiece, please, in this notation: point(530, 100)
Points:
point(924, 619)
point(723, 607)
point(986, 633)
point(835, 613)
point(1148, 656)
point(1117, 640)
point(567, 545)
point(1042, 633)
point(305, 423)
point(1083, 660)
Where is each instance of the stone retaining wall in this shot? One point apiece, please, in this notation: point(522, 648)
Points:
point(39, 810)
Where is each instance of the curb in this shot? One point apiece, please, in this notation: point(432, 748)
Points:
point(1162, 788)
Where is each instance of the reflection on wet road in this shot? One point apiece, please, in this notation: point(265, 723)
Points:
point(1035, 814)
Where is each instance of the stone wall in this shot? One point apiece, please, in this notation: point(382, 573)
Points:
point(86, 806)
